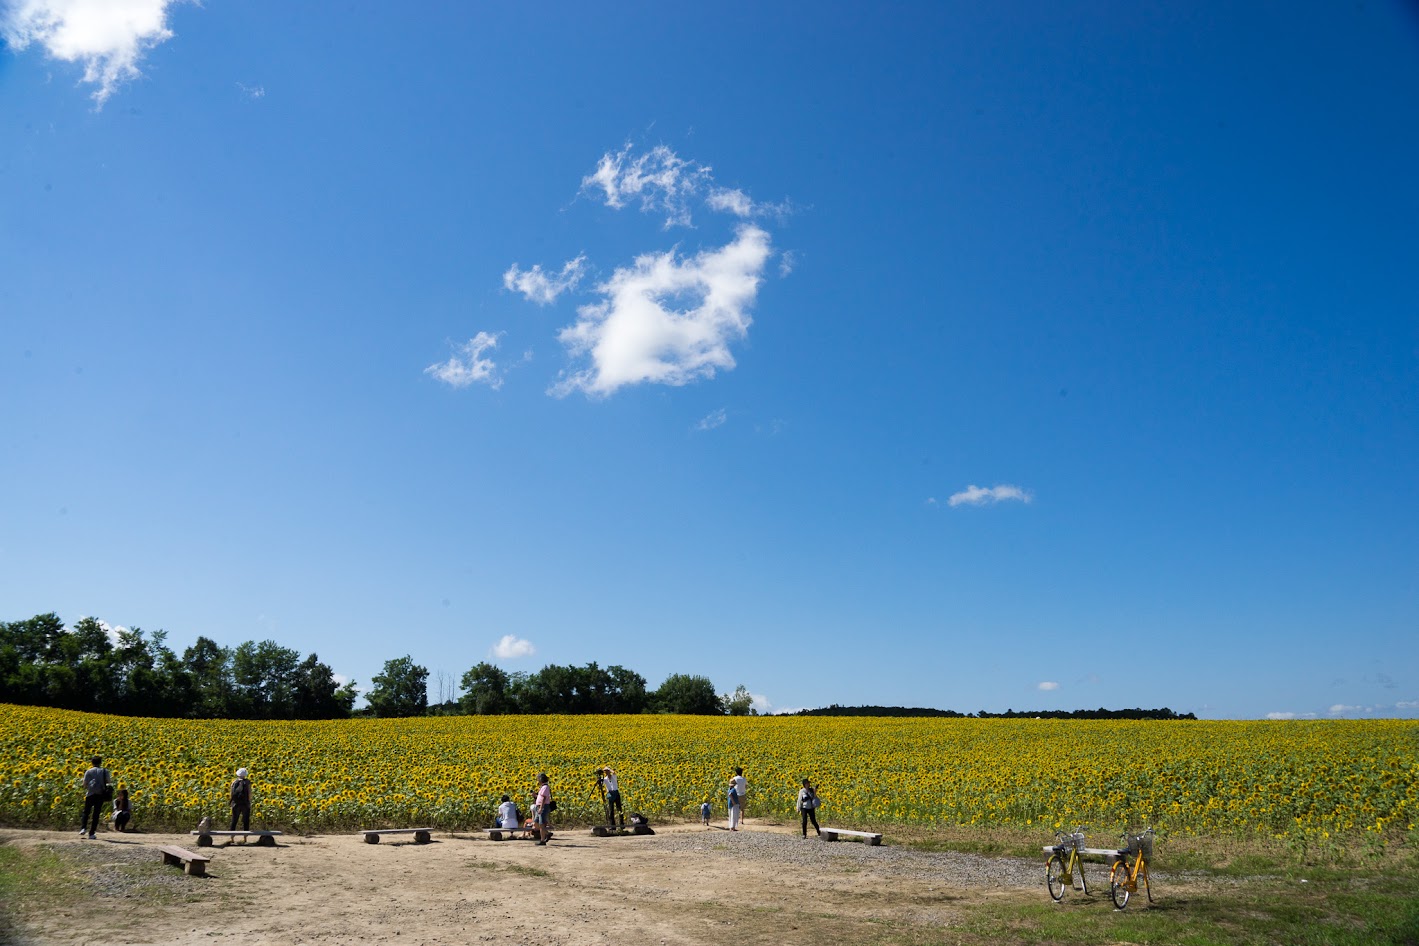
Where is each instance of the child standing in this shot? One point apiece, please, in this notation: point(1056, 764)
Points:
point(705, 812)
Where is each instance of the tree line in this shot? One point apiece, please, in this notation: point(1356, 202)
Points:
point(133, 673)
point(1100, 713)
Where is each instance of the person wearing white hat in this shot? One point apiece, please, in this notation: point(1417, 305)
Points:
point(241, 801)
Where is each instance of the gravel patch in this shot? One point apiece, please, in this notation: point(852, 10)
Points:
point(955, 869)
point(123, 869)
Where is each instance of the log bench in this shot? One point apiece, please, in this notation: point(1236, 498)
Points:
point(421, 835)
point(603, 831)
point(194, 865)
point(496, 834)
point(871, 837)
point(263, 838)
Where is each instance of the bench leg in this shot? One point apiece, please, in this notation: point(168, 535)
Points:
point(371, 838)
point(266, 840)
point(196, 869)
point(421, 837)
point(874, 841)
point(204, 840)
point(830, 835)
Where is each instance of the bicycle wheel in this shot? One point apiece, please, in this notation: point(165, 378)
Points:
point(1054, 877)
point(1118, 880)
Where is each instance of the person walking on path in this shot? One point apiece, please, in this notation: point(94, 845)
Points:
point(808, 805)
point(241, 801)
point(613, 798)
point(542, 809)
point(98, 788)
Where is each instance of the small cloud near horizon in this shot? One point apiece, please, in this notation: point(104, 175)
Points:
point(980, 496)
point(1048, 685)
point(510, 647)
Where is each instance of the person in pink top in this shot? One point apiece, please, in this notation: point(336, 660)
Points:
point(542, 809)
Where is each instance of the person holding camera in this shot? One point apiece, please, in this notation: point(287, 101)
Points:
point(612, 789)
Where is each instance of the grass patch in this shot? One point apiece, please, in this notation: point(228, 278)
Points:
point(509, 868)
point(1360, 909)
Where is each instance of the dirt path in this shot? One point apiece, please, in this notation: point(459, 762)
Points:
point(686, 885)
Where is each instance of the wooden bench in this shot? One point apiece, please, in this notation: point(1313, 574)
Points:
point(496, 834)
point(195, 865)
point(421, 835)
point(871, 837)
point(263, 838)
point(603, 831)
point(1107, 853)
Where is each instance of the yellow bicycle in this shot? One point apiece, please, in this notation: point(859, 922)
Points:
point(1063, 861)
point(1131, 867)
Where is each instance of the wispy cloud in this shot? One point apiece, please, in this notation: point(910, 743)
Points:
point(1280, 716)
point(1048, 685)
point(108, 37)
point(981, 496)
point(665, 319)
point(468, 364)
point(252, 91)
point(509, 647)
point(661, 180)
point(541, 288)
point(715, 418)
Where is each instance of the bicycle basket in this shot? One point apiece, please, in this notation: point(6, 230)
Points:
point(1141, 844)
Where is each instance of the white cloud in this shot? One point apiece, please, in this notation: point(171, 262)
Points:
point(1048, 685)
point(660, 179)
point(786, 262)
point(980, 496)
point(667, 320)
point(732, 200)
point(511, 648)
point(1407, 704)
point(716, 418)
point(109, 37)
point(252, 91)
point(761, 703)
point(541, 288)
point(1290, 716)
point(468, 365)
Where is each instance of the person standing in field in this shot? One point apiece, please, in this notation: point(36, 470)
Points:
point(734, 799)
point(98, 788)
point(742, 786)
point(705, 812)
point(240, 801)
point(808, 805)
point(542, 809)
point(613, 797)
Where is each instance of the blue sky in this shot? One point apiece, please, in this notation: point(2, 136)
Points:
point(977, 356)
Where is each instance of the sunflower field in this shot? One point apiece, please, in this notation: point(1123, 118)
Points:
point(1240, 778)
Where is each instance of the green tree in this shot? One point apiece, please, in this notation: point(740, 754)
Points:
point(265, 679)
point(486, 691)
point(740, 702)
point(687, 695)
point(401, 690)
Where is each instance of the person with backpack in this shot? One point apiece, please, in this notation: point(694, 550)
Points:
point(98, 788)
point(240, 800)
point(808, 805)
